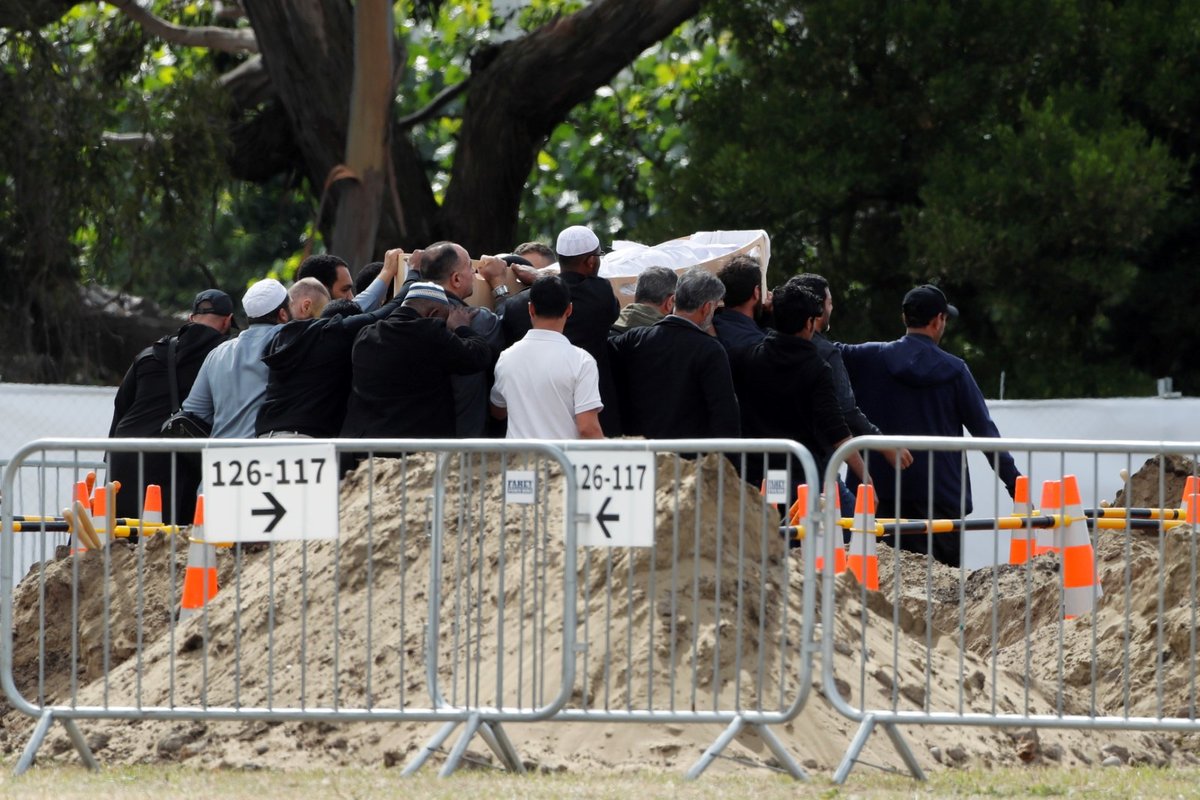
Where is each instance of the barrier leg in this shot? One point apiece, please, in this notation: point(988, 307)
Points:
point(785, 759)
point(81, 745)
point(429, 749)
point(502, 746)
point(714, 749)
point(460, 747)
point(906, 753)
point(856, 745)
point(35, 741)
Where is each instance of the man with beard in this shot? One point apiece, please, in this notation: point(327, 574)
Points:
point(736, 324)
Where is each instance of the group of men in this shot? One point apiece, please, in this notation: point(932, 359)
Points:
point(696, 356)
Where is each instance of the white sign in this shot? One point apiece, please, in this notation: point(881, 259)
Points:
point(777, 486)
point(278, 493)
point(520, 486)
point(616, 492)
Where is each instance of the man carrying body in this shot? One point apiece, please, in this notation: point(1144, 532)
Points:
point(143, 403)
point(736, 323)
point(911, 386)
point(449, 266)
point(595, 310)
point(653, 299)
point(547, 387)
point(673, 376)
point(786, 390)
point(310, 370)
point(402, 367)
point(334, 275)
point(233, 379)
point(856, 420)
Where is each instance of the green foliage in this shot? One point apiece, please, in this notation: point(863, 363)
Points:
point(1004, 149)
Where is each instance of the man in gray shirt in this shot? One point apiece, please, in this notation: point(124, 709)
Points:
point(232, 382)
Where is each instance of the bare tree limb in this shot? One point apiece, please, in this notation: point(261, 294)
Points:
point(441, 99)
point(134, 138)
point(227, 40)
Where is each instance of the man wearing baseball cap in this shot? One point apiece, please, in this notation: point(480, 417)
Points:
point(595, 310)
point(911, 386)
point(233, 379)
point(143, 403)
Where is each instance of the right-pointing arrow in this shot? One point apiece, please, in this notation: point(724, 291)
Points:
point(602, 518)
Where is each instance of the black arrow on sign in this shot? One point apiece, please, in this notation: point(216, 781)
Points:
point(602, 518)
point(277, 510)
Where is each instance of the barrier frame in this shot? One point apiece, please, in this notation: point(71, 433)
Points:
point(485, 721)
point(891, 719)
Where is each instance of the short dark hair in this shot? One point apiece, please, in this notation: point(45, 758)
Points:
point(813, 282)
point(549, 297)
point(543, 250)
point(438, 262)
point(323, 267)
point(741, 275)
point(794, 305)
point(655, 285)
point(341, 308)
point(366, 275)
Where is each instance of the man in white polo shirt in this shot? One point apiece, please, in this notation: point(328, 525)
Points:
point(547, 387)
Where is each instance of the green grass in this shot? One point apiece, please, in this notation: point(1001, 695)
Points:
point(162, 782)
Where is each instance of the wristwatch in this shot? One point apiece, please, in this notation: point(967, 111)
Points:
point(500, 292)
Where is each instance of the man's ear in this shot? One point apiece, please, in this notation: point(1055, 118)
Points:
point(570, 310)
point(532, 310)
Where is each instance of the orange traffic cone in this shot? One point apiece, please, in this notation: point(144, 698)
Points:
point(1193, 507)
point(1051, 506)
point(1190, 487)
point(839, 548)
point(83, 494)
point(100, 514)
point(200, 580)
point(1018, 543)
point(863, 559)
point(1080, 587)
point(152, 508)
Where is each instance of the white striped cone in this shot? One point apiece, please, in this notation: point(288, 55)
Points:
point(1018, 543)
point(1045, 540)
point(862, 558)
point(1081, 590)
point(200, 579)
point(100, 514)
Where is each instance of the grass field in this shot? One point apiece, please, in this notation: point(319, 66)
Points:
point(159, 783)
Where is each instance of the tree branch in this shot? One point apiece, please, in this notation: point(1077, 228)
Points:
point(227, 40)
point(441, 99)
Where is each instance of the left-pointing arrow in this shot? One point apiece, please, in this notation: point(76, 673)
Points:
point(276, 510)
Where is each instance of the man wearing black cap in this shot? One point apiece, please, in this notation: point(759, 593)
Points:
point(144, 402)
point(911, 386)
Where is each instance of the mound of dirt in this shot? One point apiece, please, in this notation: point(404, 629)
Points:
point(705, 619)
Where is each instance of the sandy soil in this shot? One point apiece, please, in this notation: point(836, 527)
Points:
point(700, 621)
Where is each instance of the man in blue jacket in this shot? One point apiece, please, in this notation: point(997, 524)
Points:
point(910, 386)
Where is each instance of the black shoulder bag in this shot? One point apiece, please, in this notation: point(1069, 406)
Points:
point(181, 424)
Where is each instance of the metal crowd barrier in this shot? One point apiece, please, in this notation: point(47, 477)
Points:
point(1098, 632)
point(319, 639)
point(46, 483)
point(728, 620)
point(464, 582)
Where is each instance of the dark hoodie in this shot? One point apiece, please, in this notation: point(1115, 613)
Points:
point(142, 405)
point(911, 386)
point(310, 374)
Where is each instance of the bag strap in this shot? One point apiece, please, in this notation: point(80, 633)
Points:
point(172, 373)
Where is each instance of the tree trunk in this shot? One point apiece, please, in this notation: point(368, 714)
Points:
point(528, 89)
point(358, 206)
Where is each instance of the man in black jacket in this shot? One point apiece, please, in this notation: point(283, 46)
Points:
point(673, 376)
point(402, 367)
point(786, 389)
point(310, 371)
point(596, 309)
point(144, 401)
